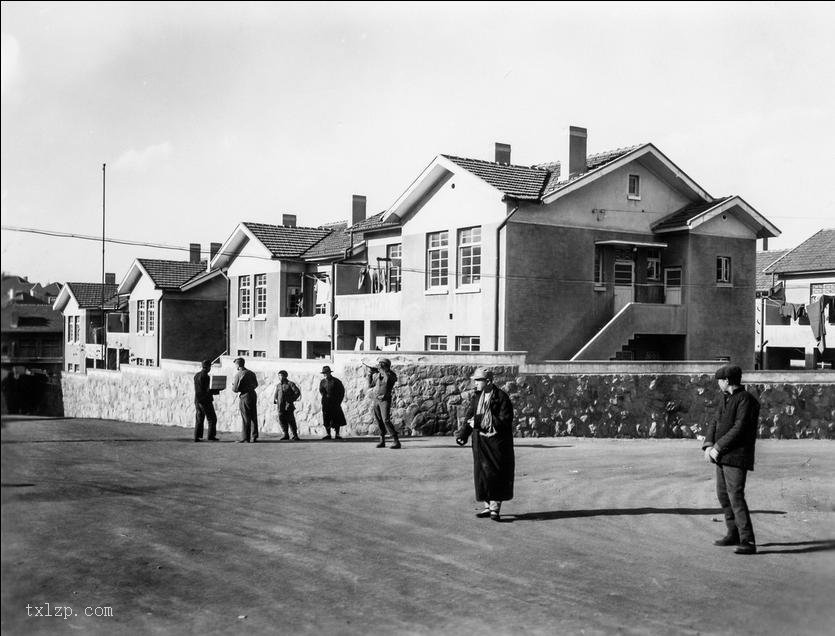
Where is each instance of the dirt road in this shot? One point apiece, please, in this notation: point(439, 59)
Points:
point(313, 537)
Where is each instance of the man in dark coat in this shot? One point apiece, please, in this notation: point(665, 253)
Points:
point(333, 392)
point(382, 379)
point(489, 419)
point(204, 403)
point(285, 396)
point(729, 443)
point(244, 384)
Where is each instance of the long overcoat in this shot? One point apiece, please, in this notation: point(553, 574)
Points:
point(494, 462)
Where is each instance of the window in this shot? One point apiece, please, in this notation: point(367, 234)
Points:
point(69, 330)
point(77, 328)
point(149, 362)
point(260, 294)
point(243, 352)
point(243, 297)
point(259, 354)
point(598, 265)
point(816, 289)
point(634, 186)
point(394, 254)
point(75, 368)
point(435, 343)
point(654, 264)
point(295, 299)
point(723, 269)
point(469, 256)
point(140, 316)
point(468, 343)
point(320, 309)
point(151, 316)
point(69, 366)
point(392, 341)
point(140, 362)
point(437, 259)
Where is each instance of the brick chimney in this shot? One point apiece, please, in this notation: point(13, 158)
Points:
point(288, 220)
point(194, 252)
point(109, 278)
point(503, 153)
point(572, 155)
point(765, 244)
point(214, 248)
point(357, 209)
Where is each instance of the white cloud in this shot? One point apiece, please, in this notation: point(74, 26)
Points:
point(141, 159)
point(9, 64)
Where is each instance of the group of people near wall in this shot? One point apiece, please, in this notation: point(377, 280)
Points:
point(488, 424)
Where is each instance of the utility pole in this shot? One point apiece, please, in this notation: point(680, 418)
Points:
point(103, 315)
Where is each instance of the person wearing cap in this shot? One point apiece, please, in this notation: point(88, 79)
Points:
point(489, 420)
point(204, 403)
point(382, 379)
point(333, 392)
point(244, 384)
point(729, 443)
point(285, 396)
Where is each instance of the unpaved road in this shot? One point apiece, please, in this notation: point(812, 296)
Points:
point(603, 537)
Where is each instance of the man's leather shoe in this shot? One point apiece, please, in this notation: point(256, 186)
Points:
point(746, 547)
point(295, 438)
point(495, 516)
point(396, 445)
point(484, 513)
point(327, 437)
point(381, 445)
point(728, 539)
point(284, 438)
point(214, 439)
point(337, 436)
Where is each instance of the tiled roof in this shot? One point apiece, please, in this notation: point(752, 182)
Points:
point(286, 242)
point(31, 319)
point(171, 274)
point(682, 216)
point(90, 294)
point(815, 254)
point(339, 239)
point(593, 162)
point(764, 259)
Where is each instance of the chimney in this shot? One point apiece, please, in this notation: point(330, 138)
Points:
point(194, 252)
point(288, 220)
point(765, 244)
point(572, 156)
point(357, 209)
point(503, 153)
point(214, 248)
point(109, 278)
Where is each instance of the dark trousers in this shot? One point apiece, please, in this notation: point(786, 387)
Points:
point(206, 410)
point(287, 419)
point(382, 415)
point(249, 416)
point(730, 490)
point(332, 417)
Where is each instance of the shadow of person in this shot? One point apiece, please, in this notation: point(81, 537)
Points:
point(617, 512)
point(821, 545)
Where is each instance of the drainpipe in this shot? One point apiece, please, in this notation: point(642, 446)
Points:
point(334, 315)
point(498, 266)
point(159, 332)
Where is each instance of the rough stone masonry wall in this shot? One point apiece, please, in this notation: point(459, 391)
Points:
point(429, 400)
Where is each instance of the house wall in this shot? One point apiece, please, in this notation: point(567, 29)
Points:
point(463, 201)
point(74, 351)
point(798, 286)
point(144, 345)
point(193, 323)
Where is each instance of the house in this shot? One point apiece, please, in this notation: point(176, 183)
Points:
point(84, 307)
point(177, 309)
point(796, 279)
point(613, 255)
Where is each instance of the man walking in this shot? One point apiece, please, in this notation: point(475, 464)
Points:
point(244, 384)
point(332, 392)
point(204, 403)
point(382, 379)
point(286, 393)
point(729, 443)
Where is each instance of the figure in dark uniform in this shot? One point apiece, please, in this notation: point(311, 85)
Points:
point(204, 404)
point(382, 379)
point(333, 392)
point(244, 384)
point(285, 396)
point(489, 419)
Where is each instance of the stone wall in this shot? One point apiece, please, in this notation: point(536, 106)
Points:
point(430, 398)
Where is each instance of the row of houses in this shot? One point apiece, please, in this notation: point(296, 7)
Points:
point(613, 255)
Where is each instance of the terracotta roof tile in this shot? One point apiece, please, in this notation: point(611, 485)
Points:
point(286, 242)
point(681, 216)
point(89, 295)
point(171, 274)
point(764, 259)
point(815, 254)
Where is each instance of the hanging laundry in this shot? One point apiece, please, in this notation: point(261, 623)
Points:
point(361, 280)
point(817, 322)
point(323, 290)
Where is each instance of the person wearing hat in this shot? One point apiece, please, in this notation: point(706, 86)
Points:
point(382, 379)
point(204, 403)
point(489, 420)
point(729, 443)
point(285, 396)
point(333, 392)
point(244, 384)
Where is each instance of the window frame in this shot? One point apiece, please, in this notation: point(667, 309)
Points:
point(140, 316)
point(724, 271)
point(260, 295)
point(442, 250)
point(442, 343)
point(244, 297)
point(150, 316)
point(654, 263)
point(460, 346)
point(469, 250)
point(633, 194)
point(394, 254)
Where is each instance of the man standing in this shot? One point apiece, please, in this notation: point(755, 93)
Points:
point(204, 403)
point(382, 378)
point(244, 384)
point(332, 393)
point(286, 393)
point(489, 419)
point(729, 443)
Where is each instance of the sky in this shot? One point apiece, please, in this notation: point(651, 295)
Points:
point(209, 114)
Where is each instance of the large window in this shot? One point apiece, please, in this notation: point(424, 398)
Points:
point(77, 329)
point(435, 343)
point(654, 264)
point(244, 299)
point(69, 328)
point(723, 269)
point(151, 311)
point(469, 255)
point(437, 259)
point(295, 296)
point(394, 254)
point(140, 316)
point(468, 343)
point(260, 294)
